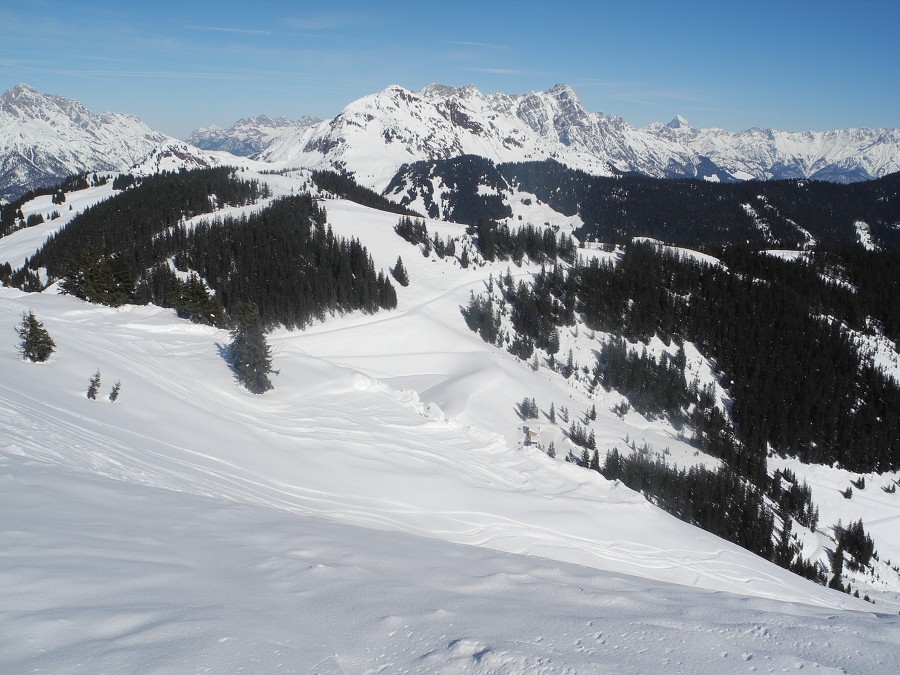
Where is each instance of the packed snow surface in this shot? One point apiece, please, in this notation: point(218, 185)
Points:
point(375, 512)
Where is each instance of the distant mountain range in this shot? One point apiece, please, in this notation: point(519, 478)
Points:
point(45, 137)
point(840, 156)
point(251, 135)
point(375, 135)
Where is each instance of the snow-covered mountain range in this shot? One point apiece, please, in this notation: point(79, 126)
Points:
point(251, 135)
point(383, 509)
point(841, 155)
point(375, 135)
point(44, 138)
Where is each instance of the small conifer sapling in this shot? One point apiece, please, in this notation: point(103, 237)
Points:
point(94, 386)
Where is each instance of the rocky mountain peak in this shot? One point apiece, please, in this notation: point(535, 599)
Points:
point(21, 90)
point(443, 91)
point(563, 92)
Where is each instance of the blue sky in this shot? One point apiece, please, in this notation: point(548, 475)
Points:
point(181, 65)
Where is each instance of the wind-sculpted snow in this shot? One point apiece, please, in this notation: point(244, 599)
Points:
point(374, 512)
point(111, 576)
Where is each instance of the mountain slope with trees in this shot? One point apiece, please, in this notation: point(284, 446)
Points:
point(282, 258)
point(693, 213)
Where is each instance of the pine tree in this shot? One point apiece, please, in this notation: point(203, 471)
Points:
point(94, 385)
point(464, 258)
point(250, 355)
point(528, 408)
point(37, 345)
point(551, 450)
point(399, 273)
point(114, 393)
point(783, 551)
point(837, 568)
point(552, 414)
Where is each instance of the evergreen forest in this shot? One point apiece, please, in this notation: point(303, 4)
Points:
point(694, 213)
point(137, 247)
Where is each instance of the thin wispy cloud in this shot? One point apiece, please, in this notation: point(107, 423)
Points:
point(244, 77)
point(222, 29)
point(320, 22)
point(138, 74)
point(484, 45)
point(638, 92)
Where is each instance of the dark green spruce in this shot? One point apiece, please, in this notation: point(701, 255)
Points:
point(249, 353)
point(36, 344)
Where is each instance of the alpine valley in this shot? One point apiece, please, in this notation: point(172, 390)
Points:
point(451, 382)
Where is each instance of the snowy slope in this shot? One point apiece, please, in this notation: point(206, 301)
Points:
point(170, 581)
point(175, 155)
point(402, 410)
point(112, 576)
point(193, 525)
point(44, 138)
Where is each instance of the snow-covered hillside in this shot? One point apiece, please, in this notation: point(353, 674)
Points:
point(376, 511)
point(175, 155)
